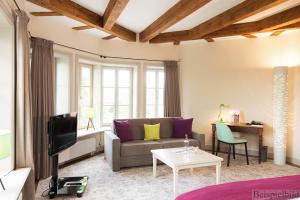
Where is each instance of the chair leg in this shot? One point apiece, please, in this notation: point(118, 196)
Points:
point(246, 153)
point(218, 147)
point(233, 151)
point(228, 158)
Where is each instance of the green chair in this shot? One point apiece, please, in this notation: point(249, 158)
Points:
point(225, 135)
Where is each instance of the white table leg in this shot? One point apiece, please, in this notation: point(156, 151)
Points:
point(218, 172)
point(175, 176)
point(154, 166)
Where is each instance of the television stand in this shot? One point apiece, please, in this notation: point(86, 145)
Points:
point(66, 185)
point(69, 186)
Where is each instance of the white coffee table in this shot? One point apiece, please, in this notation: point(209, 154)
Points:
point(178, 158)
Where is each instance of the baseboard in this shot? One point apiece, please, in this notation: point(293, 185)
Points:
point(254, 153)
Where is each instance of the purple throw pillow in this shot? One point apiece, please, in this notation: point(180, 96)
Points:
point(123, 130)
point(182, 127)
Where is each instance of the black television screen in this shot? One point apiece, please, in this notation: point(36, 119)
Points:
point(62, 132)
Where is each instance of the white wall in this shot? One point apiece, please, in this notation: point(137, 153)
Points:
point(238, 73)
point(79, 39)
point(235, 72)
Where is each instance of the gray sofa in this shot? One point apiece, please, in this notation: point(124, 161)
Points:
point(137, 152)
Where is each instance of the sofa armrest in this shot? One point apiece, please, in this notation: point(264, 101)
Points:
point(112, 150)
point(201, 139)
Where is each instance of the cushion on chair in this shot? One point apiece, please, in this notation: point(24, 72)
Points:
point(182, 127)
point(177, 142)
point(137, 126)
point(139, 147)
point(166, 126)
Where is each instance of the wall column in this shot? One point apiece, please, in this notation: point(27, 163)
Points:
point(280, 113)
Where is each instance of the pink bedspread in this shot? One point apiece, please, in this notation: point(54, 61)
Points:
point(287, 187)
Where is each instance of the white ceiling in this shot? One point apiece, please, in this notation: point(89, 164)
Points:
point(139, 14)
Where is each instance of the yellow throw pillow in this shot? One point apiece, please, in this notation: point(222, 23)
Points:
point(152, 131)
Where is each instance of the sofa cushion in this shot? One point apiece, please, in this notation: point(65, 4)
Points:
point(182, 127)
point(166, 126)
point(137, 126)
point(123, 130)
point(177, 142)
point(152, 131)
point(139, 147)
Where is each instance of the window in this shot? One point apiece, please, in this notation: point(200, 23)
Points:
point(86, 90)
point(6, 95)
point(117, 95)
point(154, 92)
point(62, 88)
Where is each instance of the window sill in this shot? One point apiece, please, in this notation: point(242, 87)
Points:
point(13, 183)
point(84, 133)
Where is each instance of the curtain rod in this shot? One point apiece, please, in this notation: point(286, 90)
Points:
point(105, 56)
point(17, 5)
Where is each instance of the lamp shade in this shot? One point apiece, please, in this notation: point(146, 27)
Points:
point(5, 145)
point(91, 113)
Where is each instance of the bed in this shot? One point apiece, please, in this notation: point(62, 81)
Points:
point(287, 187)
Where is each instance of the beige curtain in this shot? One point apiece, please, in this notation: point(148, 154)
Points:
point(42, 85)
point(24, 147)
point(172, 95)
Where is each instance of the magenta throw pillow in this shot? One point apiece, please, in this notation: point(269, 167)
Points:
point(181, 127)
point(123, 130)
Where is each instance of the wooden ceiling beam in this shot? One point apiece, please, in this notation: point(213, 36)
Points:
point(112, 12)
point(248, 35)
point(276, 33)
point(75, 11)
point(289, 19)
point(209, 39)
point(176, 13)
point(235, 14)
point(45, 14)
point(80, 28)
point(108, 37)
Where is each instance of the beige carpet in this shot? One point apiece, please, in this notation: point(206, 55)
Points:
point(138, 183)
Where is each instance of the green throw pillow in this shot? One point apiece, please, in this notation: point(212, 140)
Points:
point(152, 132)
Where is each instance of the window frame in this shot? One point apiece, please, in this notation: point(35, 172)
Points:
point(91, 85)
point(157, 69)
point(7, 12)
point(70, 63)
point(116, 91)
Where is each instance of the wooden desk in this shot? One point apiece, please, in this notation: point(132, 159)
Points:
point(244, 128)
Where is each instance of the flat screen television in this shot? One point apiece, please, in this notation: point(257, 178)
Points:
point(62, 130)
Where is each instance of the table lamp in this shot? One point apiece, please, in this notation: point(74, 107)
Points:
point(221, 110)
point(5, 150)
point(91, 115)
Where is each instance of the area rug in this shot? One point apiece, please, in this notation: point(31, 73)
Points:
point(138, 183)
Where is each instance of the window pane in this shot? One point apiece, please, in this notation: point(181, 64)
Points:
point(108, 114)
point(150, 79)
point(108, 78)
point(108, 96)
point(85, 98)
point(161, 96)
point(150, 111)
point(85, 76)
point(124, 96)
point(62, 84)
point(150, 96)
point(124, 78)
point(123, 112)
point(161, 79)
point(6, 95)
point(160, 111)
point(83, 116)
